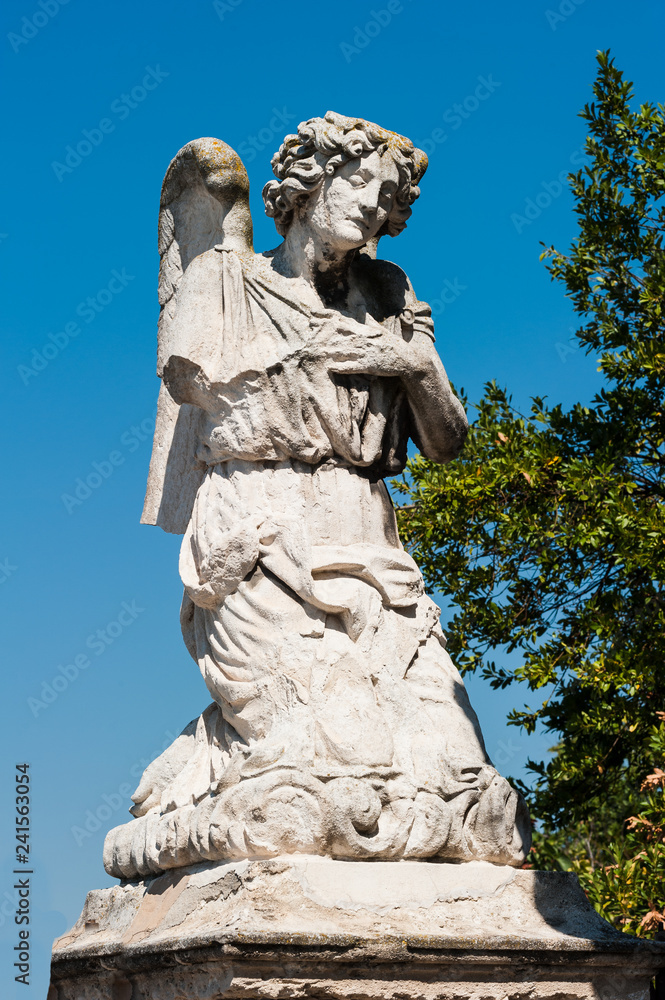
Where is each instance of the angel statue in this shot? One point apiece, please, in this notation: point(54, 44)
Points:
point(292, 381)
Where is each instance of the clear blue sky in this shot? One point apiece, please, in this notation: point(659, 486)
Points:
point(142, 80)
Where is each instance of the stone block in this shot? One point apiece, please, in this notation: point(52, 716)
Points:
point(313, 927)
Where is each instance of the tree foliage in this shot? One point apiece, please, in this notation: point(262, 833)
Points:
point(548, 533)
point(618, 851)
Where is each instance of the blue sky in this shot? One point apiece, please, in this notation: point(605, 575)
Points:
point(127, 85)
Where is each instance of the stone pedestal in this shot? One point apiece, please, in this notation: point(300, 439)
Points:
point(313, 927)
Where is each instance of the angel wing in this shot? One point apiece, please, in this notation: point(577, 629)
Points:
point(204, 203)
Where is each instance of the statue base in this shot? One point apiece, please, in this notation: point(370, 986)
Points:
point(303, 926)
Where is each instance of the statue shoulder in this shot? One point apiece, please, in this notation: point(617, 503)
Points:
point(384, 277)
point(389, 292)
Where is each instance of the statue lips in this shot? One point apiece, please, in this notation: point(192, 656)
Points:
point(362, 222)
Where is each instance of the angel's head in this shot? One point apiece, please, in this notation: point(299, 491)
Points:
point(350, 179)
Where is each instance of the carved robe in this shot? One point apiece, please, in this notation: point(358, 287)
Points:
point(336, 703)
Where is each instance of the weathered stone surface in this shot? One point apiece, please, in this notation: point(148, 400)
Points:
point(316, 927)
point(292, 381)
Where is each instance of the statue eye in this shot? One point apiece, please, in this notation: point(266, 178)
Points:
point(357, 181)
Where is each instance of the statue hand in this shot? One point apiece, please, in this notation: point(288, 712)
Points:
point(345, 346)
point(187, 382)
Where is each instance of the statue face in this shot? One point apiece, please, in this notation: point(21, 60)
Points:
point(351, 206)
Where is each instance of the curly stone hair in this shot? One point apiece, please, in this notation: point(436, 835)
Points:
point(324, 144)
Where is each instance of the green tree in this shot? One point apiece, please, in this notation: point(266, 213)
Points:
point(548, 533)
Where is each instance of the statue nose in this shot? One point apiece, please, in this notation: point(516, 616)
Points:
point(367, 203)
point(369, 198)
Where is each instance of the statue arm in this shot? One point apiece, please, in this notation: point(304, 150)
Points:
point(439, 424)
point(439, 421)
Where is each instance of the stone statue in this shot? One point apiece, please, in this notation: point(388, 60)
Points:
point(292, 382)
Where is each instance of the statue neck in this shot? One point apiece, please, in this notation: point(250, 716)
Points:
point(304, 254)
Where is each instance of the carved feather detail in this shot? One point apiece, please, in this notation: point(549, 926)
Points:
point(204, 203)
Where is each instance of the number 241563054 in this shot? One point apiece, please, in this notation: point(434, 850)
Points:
point(22, 812)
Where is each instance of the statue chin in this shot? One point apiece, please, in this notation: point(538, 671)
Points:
point(348, 236)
